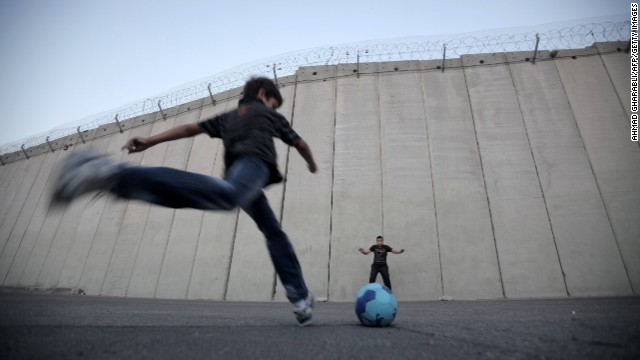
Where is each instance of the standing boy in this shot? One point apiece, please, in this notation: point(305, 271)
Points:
point(380, 251)
point(250, 161)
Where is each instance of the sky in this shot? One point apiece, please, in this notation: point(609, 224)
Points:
point(65, 60)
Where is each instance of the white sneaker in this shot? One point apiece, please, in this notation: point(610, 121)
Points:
point(83, 172)
point(303, 310)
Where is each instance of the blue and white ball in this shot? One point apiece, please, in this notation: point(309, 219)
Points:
point(376, 305)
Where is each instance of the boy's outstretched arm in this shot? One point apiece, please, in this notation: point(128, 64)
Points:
point(305, 151)
point(364, 251)
point(138, 143)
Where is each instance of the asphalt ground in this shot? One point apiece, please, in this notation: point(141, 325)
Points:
point(36, 326)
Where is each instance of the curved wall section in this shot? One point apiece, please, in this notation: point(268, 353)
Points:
point(500, 178)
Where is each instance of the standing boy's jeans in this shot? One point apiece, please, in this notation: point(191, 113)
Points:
point(383, 269)
point(242, 186)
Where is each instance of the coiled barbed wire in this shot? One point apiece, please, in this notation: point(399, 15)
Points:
point(569, 37)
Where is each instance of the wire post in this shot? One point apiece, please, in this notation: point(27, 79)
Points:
point(50, 147)
point(80, 134)
point(535, 52)
point(561, 36)
point(24, 151)
point(275, 76)
point(144, 104)
point(213, 101)
point(1, 162)
point(444, 55)
point(358, 64)
point(118, 122)
point(164, 116)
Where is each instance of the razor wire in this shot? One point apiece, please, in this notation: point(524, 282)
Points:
point(403, 49)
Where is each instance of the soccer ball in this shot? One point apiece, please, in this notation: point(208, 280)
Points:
point(376, 305)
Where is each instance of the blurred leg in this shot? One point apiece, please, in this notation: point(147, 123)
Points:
point(181, 189)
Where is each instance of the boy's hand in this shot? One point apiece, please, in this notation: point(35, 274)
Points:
point(137, 144)
point(305, 151)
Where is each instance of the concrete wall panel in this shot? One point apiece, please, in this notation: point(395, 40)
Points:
point(85, 233)
point(409, 218)
point(185, 231)
point(16, 197)
point(112, 223)
point(251, 266)
point(126, 248)
point(17, 208)
point(210, 271)
point(16, 172)
point(499, 178)
point(466, 243)
point(524, 241)
point(288, 90)
point(575, 206)
point(35, 193)
point(357, 190)
point(144, 223)
point(307, 207)
point(615, 160)
point(7, 175)
point(4, 174)
point(36, 220)
point(44, 234)
point(63, 237)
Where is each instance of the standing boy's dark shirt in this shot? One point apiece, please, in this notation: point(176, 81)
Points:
point(380, 254)
point(251, 134)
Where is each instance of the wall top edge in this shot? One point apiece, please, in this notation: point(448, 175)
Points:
point(320, 73)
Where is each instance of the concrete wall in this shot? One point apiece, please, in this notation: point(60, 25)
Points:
point(500, 178)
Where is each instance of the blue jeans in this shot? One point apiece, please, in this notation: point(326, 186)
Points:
point(383, 270)
point(241, 186)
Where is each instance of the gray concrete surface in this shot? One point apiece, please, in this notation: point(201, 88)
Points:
point(356, 216)
point(14, 229)
point(36, 219)
point(173, 280)
point(213, 253)
point(575, 209)
point(308, 197)
point(465, 233)
point(499, 177)
point(616, 166)
point(525, 250)
point(63, 327)
point(409, 213)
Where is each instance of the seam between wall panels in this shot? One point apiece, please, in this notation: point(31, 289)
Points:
point(595, 177)
point(26, 227)
point(286, 179)
point(535, 165)
point(435, 207)
point(484, 180)
point(333, 174)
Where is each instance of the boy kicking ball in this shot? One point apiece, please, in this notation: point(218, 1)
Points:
point(250, 161)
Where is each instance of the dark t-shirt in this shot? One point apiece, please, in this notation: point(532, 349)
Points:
point(380, 254)
point(251, 134)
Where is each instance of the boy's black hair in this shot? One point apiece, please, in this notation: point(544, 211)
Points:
point(380, 237)
point(253, 86)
